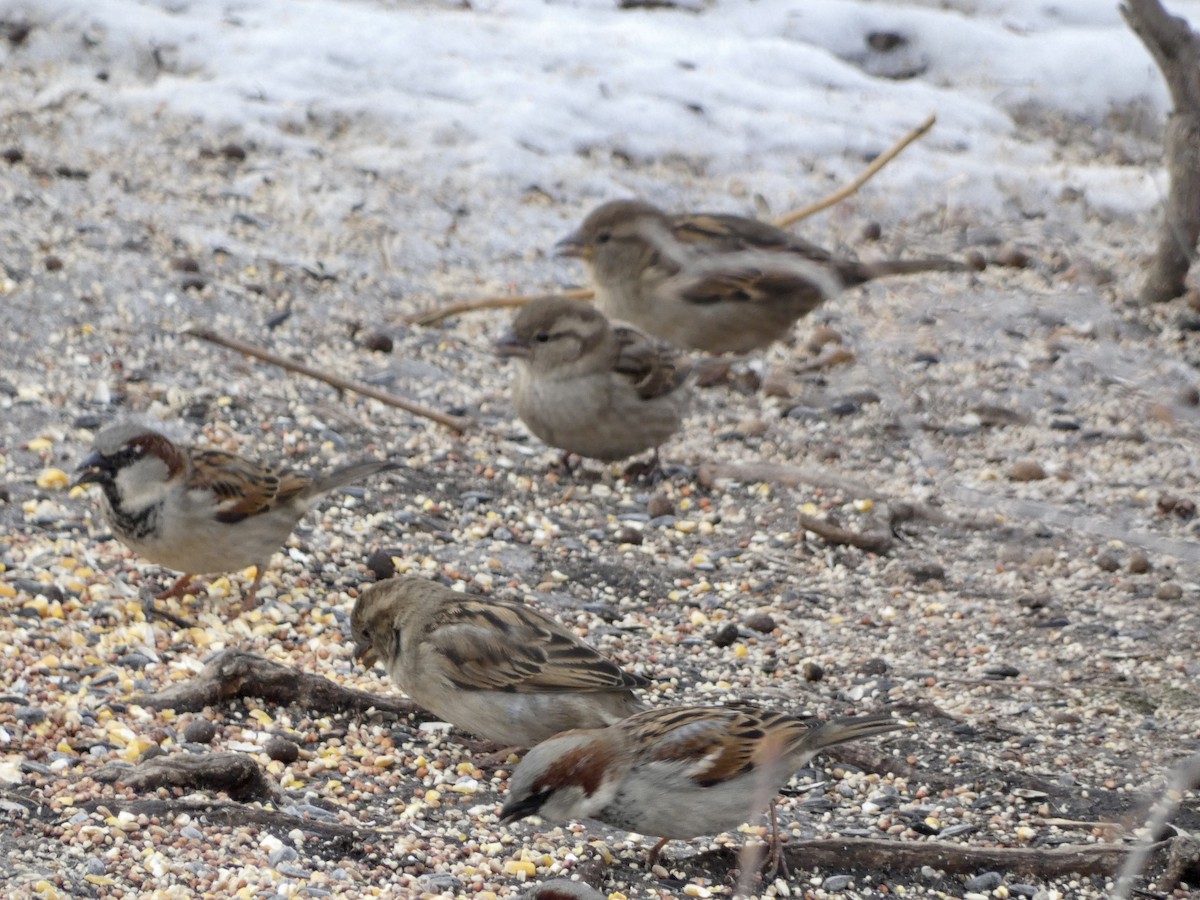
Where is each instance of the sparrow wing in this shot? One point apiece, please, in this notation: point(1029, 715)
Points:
point(510, 647)
point(654, 368)
point(719, 742)
point(719, 233)
point(243, 488)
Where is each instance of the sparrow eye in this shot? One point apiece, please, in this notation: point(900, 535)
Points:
point(603, 237)
point(542, 337)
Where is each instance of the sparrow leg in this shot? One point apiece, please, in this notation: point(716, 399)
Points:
point(152, 611)
point(652, 857)
point(776, 864)
point(651, 469)
point(178, 589)
point(250, 601)
point(568, 462)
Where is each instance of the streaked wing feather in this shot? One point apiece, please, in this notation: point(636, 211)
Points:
point(655, 368)
point(502, 647)
point(721, 233)
point(724, 742)
point(245, 488)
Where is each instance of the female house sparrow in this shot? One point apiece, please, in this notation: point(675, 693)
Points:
point(676, 772)
point(499, 670)
point(202, 511)
point(590, 388)
point(713, 282)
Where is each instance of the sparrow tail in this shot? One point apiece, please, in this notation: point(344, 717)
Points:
point(861, 272)
point(842, 731)
point(351, 474)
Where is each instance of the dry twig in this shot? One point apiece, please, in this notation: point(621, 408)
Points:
point(866, 175)
point(235, 673)
point(871, 541)
point(456, 423)
point(433, 316)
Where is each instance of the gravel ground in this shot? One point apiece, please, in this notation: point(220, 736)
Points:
point(1042, 632)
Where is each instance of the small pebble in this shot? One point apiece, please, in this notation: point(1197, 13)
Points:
point(1012, 257)
point(812, 671)
point(30, 715)
point(1169, 590)
point(283, 750)
point(725, 635)
point(1001, 671)
point(185, 264)
point(760, 622)
point(52, 263)
point(1026, 470)
point(380, 562)
point(975, 260)
point(872, 231)
point(876, 665)
point(627, 534)
point(282, 854)
point(1108, 562)
point(377, 342)
point(986, 882)
point(199, 731)
point(660, 505)
point(836, 882)
point(1139, 562)
point(927, 571)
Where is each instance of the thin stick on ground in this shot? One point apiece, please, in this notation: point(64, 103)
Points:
point(871, 541)
point(433, 316)
point(455, 423)
point(437, 314)
point(866, 175)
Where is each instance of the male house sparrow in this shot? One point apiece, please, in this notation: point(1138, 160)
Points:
point(676, 772)
point(712, 282)
point(499, 670)
point(590, 388)
point(202, 511)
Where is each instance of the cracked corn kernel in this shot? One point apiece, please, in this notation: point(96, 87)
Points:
point(53, 479)
point(39, 444)
point(520, 867)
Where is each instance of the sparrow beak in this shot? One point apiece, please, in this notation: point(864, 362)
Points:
point(93, 470)
point(515, 809)
point(575, 246)
point(365, 653)
point(510, 345)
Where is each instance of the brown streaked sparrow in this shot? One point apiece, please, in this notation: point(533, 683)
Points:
point(591, 388)
point(677, 772)
point(500, 670)
point(710, 281)
point(202, 511)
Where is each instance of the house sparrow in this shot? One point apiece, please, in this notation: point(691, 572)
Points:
point(676, 772)
point(202, 511)
point(709, 281)
point(590, 388)
point(499, 670)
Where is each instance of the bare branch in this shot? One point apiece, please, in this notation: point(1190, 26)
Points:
point(456, 423)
